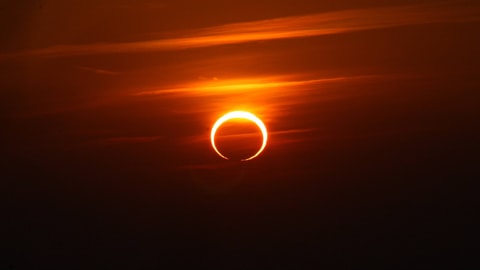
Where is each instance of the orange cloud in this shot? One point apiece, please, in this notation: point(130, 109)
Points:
point(239, 86)
point(98, 70)
point(279, 28)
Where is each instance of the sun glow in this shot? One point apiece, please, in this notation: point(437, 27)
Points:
point(239, 115)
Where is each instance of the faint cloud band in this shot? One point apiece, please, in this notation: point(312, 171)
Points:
point(280, 28)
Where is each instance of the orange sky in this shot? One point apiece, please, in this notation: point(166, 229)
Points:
point(131, 69)
point(366, 102)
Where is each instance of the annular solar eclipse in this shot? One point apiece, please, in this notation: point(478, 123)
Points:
point(239, 115)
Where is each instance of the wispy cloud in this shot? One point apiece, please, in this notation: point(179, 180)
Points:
point(97, 70)
point(239, 86)
point(279, 28)
point(107, 140)
point(248, 93)
point(277, 93)
point(132, 139)
point(271, 133)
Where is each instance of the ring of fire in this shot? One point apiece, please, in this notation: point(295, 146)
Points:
point(239, 115)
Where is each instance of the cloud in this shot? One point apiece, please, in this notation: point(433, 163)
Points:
point(273, 29)
point(259, 95)
point(143, 139)
point(97, 70)
point(224, 87)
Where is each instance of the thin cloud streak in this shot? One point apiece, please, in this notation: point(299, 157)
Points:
point(109, 141)
point(143, 139)
point(271, 133)
point(260, 95)
point(240, 86)
point(98, 71)
point(280, 28)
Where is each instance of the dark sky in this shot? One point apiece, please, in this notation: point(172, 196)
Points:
point(106, 107)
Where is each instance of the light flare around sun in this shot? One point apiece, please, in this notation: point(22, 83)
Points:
point(239, 115)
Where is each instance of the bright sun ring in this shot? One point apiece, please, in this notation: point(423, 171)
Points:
point(239, 115)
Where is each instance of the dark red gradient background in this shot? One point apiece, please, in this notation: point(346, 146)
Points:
point(372, 156)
